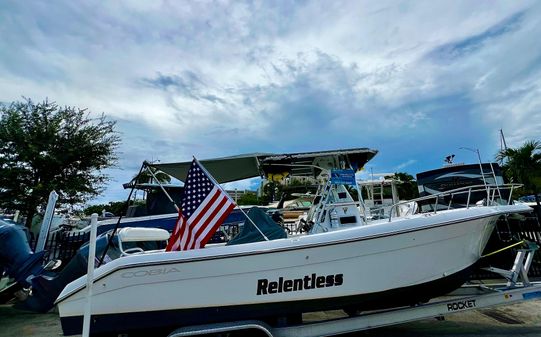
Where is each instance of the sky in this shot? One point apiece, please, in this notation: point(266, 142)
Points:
point(416, 80)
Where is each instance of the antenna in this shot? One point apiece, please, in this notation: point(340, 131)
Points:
point(449, 159)
point(503, 144)
point(481, 168)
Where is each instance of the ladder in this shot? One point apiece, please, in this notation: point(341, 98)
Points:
point(319, 211)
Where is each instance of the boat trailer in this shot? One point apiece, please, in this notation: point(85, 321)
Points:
point(517, 289)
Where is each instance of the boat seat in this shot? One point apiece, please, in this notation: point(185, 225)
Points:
point(408, 209)
point(136, 234)
point(131, 234)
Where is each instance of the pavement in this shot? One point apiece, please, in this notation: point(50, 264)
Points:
point(517, 320)
point(16, 323)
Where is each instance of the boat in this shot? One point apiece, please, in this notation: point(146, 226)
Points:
point(156, 212)
point(381, 194)
point(343, 261)
point(456, 175)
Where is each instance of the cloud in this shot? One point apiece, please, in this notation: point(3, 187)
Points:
point(453, 50)
point(251, 184)
point(188, 82)
point(413, 79)
point(405, 164)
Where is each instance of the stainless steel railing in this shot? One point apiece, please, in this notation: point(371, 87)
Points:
point(493, 193)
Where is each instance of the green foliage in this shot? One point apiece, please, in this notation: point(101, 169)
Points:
point(45, 147)
point(146, 176)
point(115, 207)
point(299, 182)
point(523, 165)
point(408, 188)
point(272, 191)
point(352, 190)
point(249, 199)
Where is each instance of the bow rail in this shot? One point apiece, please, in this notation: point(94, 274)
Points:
point(493, 195)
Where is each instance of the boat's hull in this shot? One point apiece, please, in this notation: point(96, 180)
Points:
point(377, 266)
point(167, 320)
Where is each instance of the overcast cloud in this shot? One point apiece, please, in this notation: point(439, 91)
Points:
point(415, 80)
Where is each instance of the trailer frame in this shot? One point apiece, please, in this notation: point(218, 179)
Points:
point(489, 297)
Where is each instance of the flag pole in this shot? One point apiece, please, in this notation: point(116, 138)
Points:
point(220, 187)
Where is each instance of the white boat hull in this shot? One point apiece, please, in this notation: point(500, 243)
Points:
point(386, 264)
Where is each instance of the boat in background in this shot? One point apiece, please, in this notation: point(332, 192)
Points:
point(381, 195)
point(453, 176)
point(343, 261)
point(157, 211)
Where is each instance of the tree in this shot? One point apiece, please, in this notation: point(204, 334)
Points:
point(408, 188)
point(249, 199)
point(272, 191)
point(146, 176)
point(45, 147)
point(523, 165)
point(115, 207)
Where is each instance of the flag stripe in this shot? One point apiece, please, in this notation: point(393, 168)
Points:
point(220, 220)
point(182, 231)
point(211, 224)
point(194, 228)
point(176, 233)
point(200, 212)
point(174, 242)
point(201, 218)
point(222, 207)
point(212, 210)
point(184, 235)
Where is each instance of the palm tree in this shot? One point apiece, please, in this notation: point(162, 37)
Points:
point(523, 165)
point(146, 177)
point(408, 188)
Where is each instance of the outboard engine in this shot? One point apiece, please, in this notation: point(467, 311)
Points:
point(47, 286)
point(16, 257)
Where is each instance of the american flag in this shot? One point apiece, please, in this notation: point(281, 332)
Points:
point(204, 207)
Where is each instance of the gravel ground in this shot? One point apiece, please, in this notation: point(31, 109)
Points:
point(517, 320)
